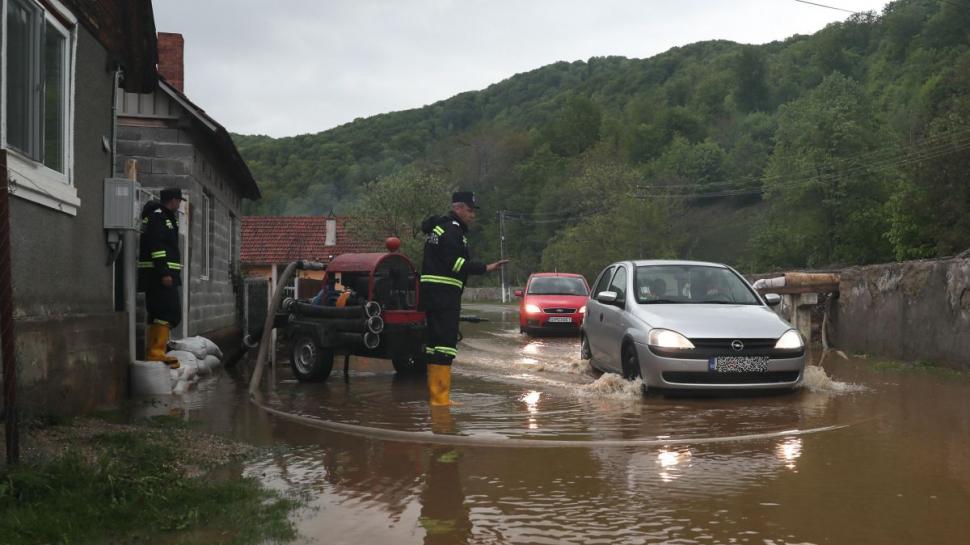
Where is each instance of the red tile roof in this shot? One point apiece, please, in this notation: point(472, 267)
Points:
point(283, 239)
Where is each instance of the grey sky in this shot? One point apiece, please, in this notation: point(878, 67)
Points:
point(303, 66)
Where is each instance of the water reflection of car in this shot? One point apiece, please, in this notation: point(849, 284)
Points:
point(552, 303)
point(689, 325)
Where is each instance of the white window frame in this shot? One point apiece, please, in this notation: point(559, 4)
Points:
point(32, 180)
point(207, 219)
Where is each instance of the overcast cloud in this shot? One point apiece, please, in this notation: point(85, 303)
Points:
point(303, 66)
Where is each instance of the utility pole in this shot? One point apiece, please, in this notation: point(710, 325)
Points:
point(501, 245)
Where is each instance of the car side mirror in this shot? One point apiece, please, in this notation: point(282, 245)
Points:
point(772, 299)
point(518, 293)
point(607, 297)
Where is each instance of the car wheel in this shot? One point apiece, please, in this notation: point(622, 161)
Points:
point(309, 362)
point(584, 350)
point(630, 362)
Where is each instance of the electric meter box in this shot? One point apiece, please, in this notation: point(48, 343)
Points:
point(121, 204)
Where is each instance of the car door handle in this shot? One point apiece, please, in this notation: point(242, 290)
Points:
point(601, 316)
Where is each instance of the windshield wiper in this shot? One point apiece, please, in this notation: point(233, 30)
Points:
point(661, 301)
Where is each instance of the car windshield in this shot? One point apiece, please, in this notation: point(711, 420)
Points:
point(557, 285)
point(672, 284)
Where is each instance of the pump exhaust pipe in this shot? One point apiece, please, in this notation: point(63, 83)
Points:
point(375, 324)
point(368, 339)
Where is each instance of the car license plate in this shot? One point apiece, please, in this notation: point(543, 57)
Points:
point(561, 319)
point(738, 364)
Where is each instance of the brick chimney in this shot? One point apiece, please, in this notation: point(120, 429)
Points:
point(170, 59)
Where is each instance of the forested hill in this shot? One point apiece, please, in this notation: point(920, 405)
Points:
point(847, 146)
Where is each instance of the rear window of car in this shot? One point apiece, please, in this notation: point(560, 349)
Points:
point(557, 285)
point(691, 284)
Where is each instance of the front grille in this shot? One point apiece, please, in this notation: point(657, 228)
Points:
point(707, 348)
point(767, 377)
point(559, 310)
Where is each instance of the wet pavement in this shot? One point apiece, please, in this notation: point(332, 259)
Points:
point(542, 450)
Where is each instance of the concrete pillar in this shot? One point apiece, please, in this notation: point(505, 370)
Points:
point(802, 304)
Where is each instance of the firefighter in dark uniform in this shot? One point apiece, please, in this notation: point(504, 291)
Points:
point(160, 272)
point(444, 270)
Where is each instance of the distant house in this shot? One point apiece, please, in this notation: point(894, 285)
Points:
point(273, 242)
point(61, 62)
point(176, 144)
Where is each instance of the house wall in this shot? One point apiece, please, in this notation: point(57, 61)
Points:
point(72, 351)
point(173, 152)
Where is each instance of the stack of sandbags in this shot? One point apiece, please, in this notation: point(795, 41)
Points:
point(207, 354)
point(155, 378)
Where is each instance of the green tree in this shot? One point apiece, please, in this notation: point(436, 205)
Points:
point(576, 128)
point(826, 197)
point(397, 204)
point(750, 71)
point(614, 223)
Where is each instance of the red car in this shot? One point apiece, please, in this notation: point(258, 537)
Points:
point(552, 302)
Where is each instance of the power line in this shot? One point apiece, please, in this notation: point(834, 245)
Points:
point(829, 7)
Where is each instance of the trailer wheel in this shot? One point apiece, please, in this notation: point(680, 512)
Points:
point(309, 362)
point(409, 364)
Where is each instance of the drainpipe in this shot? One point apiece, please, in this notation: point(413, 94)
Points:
point(7, 345)
point(128, 240)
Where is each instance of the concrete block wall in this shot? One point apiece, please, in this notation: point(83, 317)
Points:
point(179, 157)
point(913, 311)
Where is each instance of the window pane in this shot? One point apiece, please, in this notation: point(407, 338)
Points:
point(20, 84)
point(54, 84)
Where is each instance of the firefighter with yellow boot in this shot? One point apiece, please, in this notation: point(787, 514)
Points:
point(160, 272)
point(444, 270)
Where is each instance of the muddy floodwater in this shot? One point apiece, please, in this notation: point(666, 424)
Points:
point(543, 450)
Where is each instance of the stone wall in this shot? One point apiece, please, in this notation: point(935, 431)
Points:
point(915, 311)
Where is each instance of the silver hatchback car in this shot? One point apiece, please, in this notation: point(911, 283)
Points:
point(689, 325)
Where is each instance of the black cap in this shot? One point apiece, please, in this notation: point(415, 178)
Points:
point(170, 193)
point(466, 197)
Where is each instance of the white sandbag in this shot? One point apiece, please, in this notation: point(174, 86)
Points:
point(181, 387)
point(186, 358)
point(212, 349)
point(151, 378)
point(194, 345)
point(200, 346)
point(210, 363)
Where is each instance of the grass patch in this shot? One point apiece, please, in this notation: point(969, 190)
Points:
point(130, 490)
point(920, 367)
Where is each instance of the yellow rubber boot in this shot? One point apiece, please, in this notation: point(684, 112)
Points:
point(439, 385)
point(157, 343)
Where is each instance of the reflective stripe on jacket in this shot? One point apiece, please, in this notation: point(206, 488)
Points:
point(158, 249)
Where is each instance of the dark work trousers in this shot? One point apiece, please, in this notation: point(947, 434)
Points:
point(442, 335)
point(164, 305)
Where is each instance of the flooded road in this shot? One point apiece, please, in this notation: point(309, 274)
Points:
point(542, 450)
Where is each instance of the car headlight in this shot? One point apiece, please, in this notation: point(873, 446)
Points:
point(791, 340)
point(665, 338)
point(582, 309)
point(532, 309)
